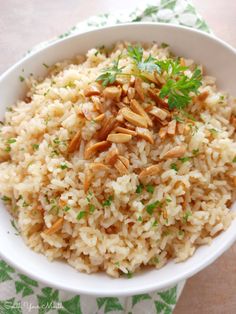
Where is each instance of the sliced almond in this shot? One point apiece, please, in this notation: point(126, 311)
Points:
point(109, 124)
point(97, 103)
point(233, 121)
point(145, 134)
point(125, 88)
point(126, 100)
point(149, 171)
point(94, 148)
point(180, 128)
point(124, 160)
point(125, 131)
point(171, 127)
point(182, 62)
point(148, 108)
point(119, 138)
point(35, 228)
point(100, 117)
point(164, 214)
point(136, 107)
point(92, 90)
point(75, 142)
point(175, 152)
point(55, 227)
point(159, 113)
point(131, 93)
point(162, 132)
point(120, 167)
point(153, 93)
point(129, 125)
point(98, 166)
point(134, 118)
point(112, 92)
point(138, 88)
point(87, 179)
point(159, 80)
point(203, 96)
point(112, 156)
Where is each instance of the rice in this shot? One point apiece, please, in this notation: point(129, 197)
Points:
point(92, 207)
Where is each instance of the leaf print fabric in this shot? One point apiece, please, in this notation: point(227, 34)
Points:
point(20, 294)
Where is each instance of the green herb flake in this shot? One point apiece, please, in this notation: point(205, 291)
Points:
point(96, 53)
point(150, 188)
point(181, 233)
point(140, 218)
point(214, 132)
point(139, 188)
point(35, 146)
point(178, 119)
point(234, 160)
point(5, 199)
point(155, 260)
point(21, 78)
point(11, 140)
point(195, 152)
point(45, 65)
point(8, 149)
point(129, 274)
point(56, 141)
point(25, 204)
point(15, 227)
point(152, 206)
point(63, 166)
point(168, 200)
point(186, 216)
point(154, 224)
point(66, 208)
point(184, 159)
point(108, 201)
point(117, 264)
point(164, 45)
point(81, 215)
point(174, 167)
point(91, 208)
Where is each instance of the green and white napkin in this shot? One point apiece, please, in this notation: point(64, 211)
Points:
point(20, 294)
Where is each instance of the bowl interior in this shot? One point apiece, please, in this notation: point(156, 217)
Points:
point(205, 50)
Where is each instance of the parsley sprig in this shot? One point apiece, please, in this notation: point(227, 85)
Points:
point(110, 74)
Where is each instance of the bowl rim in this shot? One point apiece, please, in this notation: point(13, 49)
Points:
point(144, 288)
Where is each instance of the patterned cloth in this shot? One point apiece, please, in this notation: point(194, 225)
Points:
point(20, 294)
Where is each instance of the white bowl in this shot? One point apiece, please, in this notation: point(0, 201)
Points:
point(220, 61)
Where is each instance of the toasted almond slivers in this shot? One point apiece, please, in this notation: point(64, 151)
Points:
point(98, 166)
point(131, 93)
point(119, 138)
point(92, 90)
point(134, 118)
point(55, 227)
point(203, 96)
point(75, 142)
point(164, 214)
point(159, 113)
point(145, 134)
point(120, 167)
point(171, 127)
point(180, 128)
point(99, 118)
point(94, 148)
point(125, 131)
point(149, 171)
point(112, 92)
point(35, 228)
point(234, 181)
point(87, 179)
point(159, 80)
point(162, 132)
point(233, 121)
point(97, 103)
point(136, 107)
point(138, 88)
point(124, 160)
point(175, 152)
point(107, 126)
point(153, 93)
point(112, 156)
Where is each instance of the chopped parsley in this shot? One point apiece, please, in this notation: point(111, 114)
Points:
point(184, 159)
point(139, 188)
point(150, 188)
point(108, 201)
point(164, 45)
point(35, 146)
point(186, 216)
point(129, 274)
point(21, 78)
point(81, 215)
point(214, 132)
point(91, 208)
point(117, 264)
point(181, 233)
point(6, 199)
point(234, 160)
point(155, 260)
point(154, 224)
point(140, 219)
point(195, 152)
point(63, 166)
point(15, 227)
point(174, 167)
point(168, 200)
point(152, 206)
point(45, 65)
point(11, 140)
point(178, 119)
point(66, 208)
point(96, 53)
point(56, 141)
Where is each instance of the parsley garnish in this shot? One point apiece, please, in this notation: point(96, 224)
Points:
point(154, 224)
point(151, 207)
point(140, 218)
point(21, 78)
point(15, 227)
point(6, 199)
point(174, 167)
point(63, 166)
point(11, 140)
point(108, 201)
point(169, 200)
point(129, 274)
point(81, 215)
point(66, 208)
point(35, 146)
point(184, 159)
point(186, 216)
point(150, 188)
point(178, 119)
point(147, 65)
point(45, 65)
point(139, 188)
point(110, 74)
point(91, 208)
